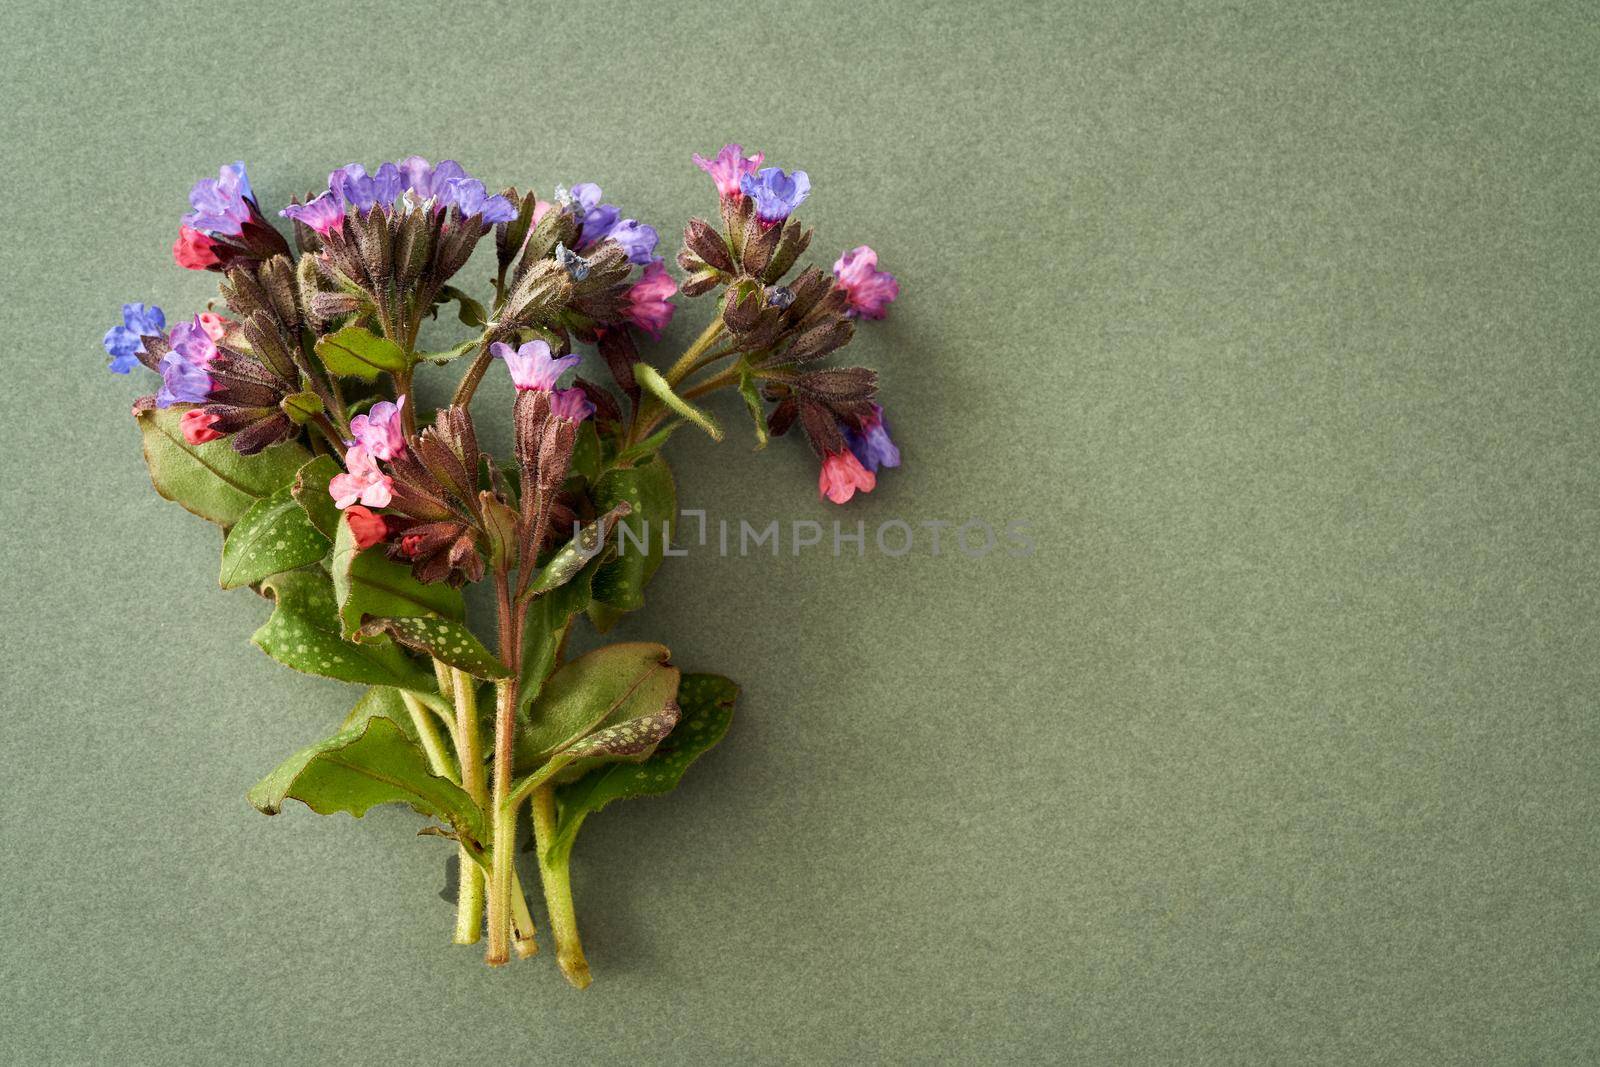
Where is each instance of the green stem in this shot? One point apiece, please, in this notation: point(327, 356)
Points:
point(474, 375)
point(469, 889)
point(686, 362)
point(503, 814)
point(428, 734)
point(554, 872)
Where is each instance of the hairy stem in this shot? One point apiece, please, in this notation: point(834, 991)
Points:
point(702, 344)
point(474, 375)
point(554, 873)
point(469, 889)
point(428, 733)
point(504, 815)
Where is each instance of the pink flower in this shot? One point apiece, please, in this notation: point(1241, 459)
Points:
point(868, 288)
point(648, 301)
point(728, 167)
point(381, 431)
point(842, 475)
point(193, 250)
point(368, 528)
point(365, 482)
point(531, 365)
point(570, 404)
point(541, 208)
point(196, 426)
point(215, 326)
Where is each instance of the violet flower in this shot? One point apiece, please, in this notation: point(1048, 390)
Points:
point(182, 382)
point(637, 240)
point(595, 219)
point(871, 443)
point(775, 192)
point(531, 365)
point(124, 343)
point(222, 205)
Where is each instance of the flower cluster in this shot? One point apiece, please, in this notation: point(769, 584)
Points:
point(288, 414)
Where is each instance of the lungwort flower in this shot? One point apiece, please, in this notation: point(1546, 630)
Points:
point(775, 192)
point(363, 482)
point(728, 168)
point(531, 364)
point(125, 343)
point(868, 289)
point(184, 377)
point(649, 300)
point(222, 205)
point(323, 213)
point(870, 442)
point(842, 475)
point(381, 430)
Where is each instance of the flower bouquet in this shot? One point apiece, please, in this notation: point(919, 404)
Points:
point(287, 415)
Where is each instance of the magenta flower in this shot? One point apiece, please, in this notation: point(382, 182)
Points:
point(570, 404)
point(381, 431)
point(868, 289)
point(364, 482)
point(194, 341)
point(221, 205)
point(323, 213)
point(728, 167)
point(649, 306)
point(842, 475)
point(531, 365)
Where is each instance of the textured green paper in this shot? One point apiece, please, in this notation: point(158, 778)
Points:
point(1278, 321)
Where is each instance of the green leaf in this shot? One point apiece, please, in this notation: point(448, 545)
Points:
point(471, 312)
point(303, 634)
point(357, 769)
point(649, 489)
point(653, 383)
point(380, 701)
point(601, 688)
point(439, 359)
point(357, 352)
point(301, 407)
point(571, 558)
point(545, 625)
point(445, 640)
point(211, 480)
point(275, 535)
point(758, 411)
point(366, 583)
point(706, 702)
point(310, 490)
point(649, 446)
point(586, 453)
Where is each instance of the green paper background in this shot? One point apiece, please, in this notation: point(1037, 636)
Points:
point(1277, 323)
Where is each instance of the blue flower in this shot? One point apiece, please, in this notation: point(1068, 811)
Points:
point(776, 193)
point(470, 196)
point(637, 240)
point(124, 343)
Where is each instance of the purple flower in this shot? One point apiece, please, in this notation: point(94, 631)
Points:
point(531, 365)
point(595, 219)
point(570, 404)
point(182, 382)
point(469, 195)
point(124, 343)
point(193, 342)
point(871, 442)
point(637, 240)
point(324, 213)
point(381, 431)
point(775, 192)
point(428, 181)
point(221, 205)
